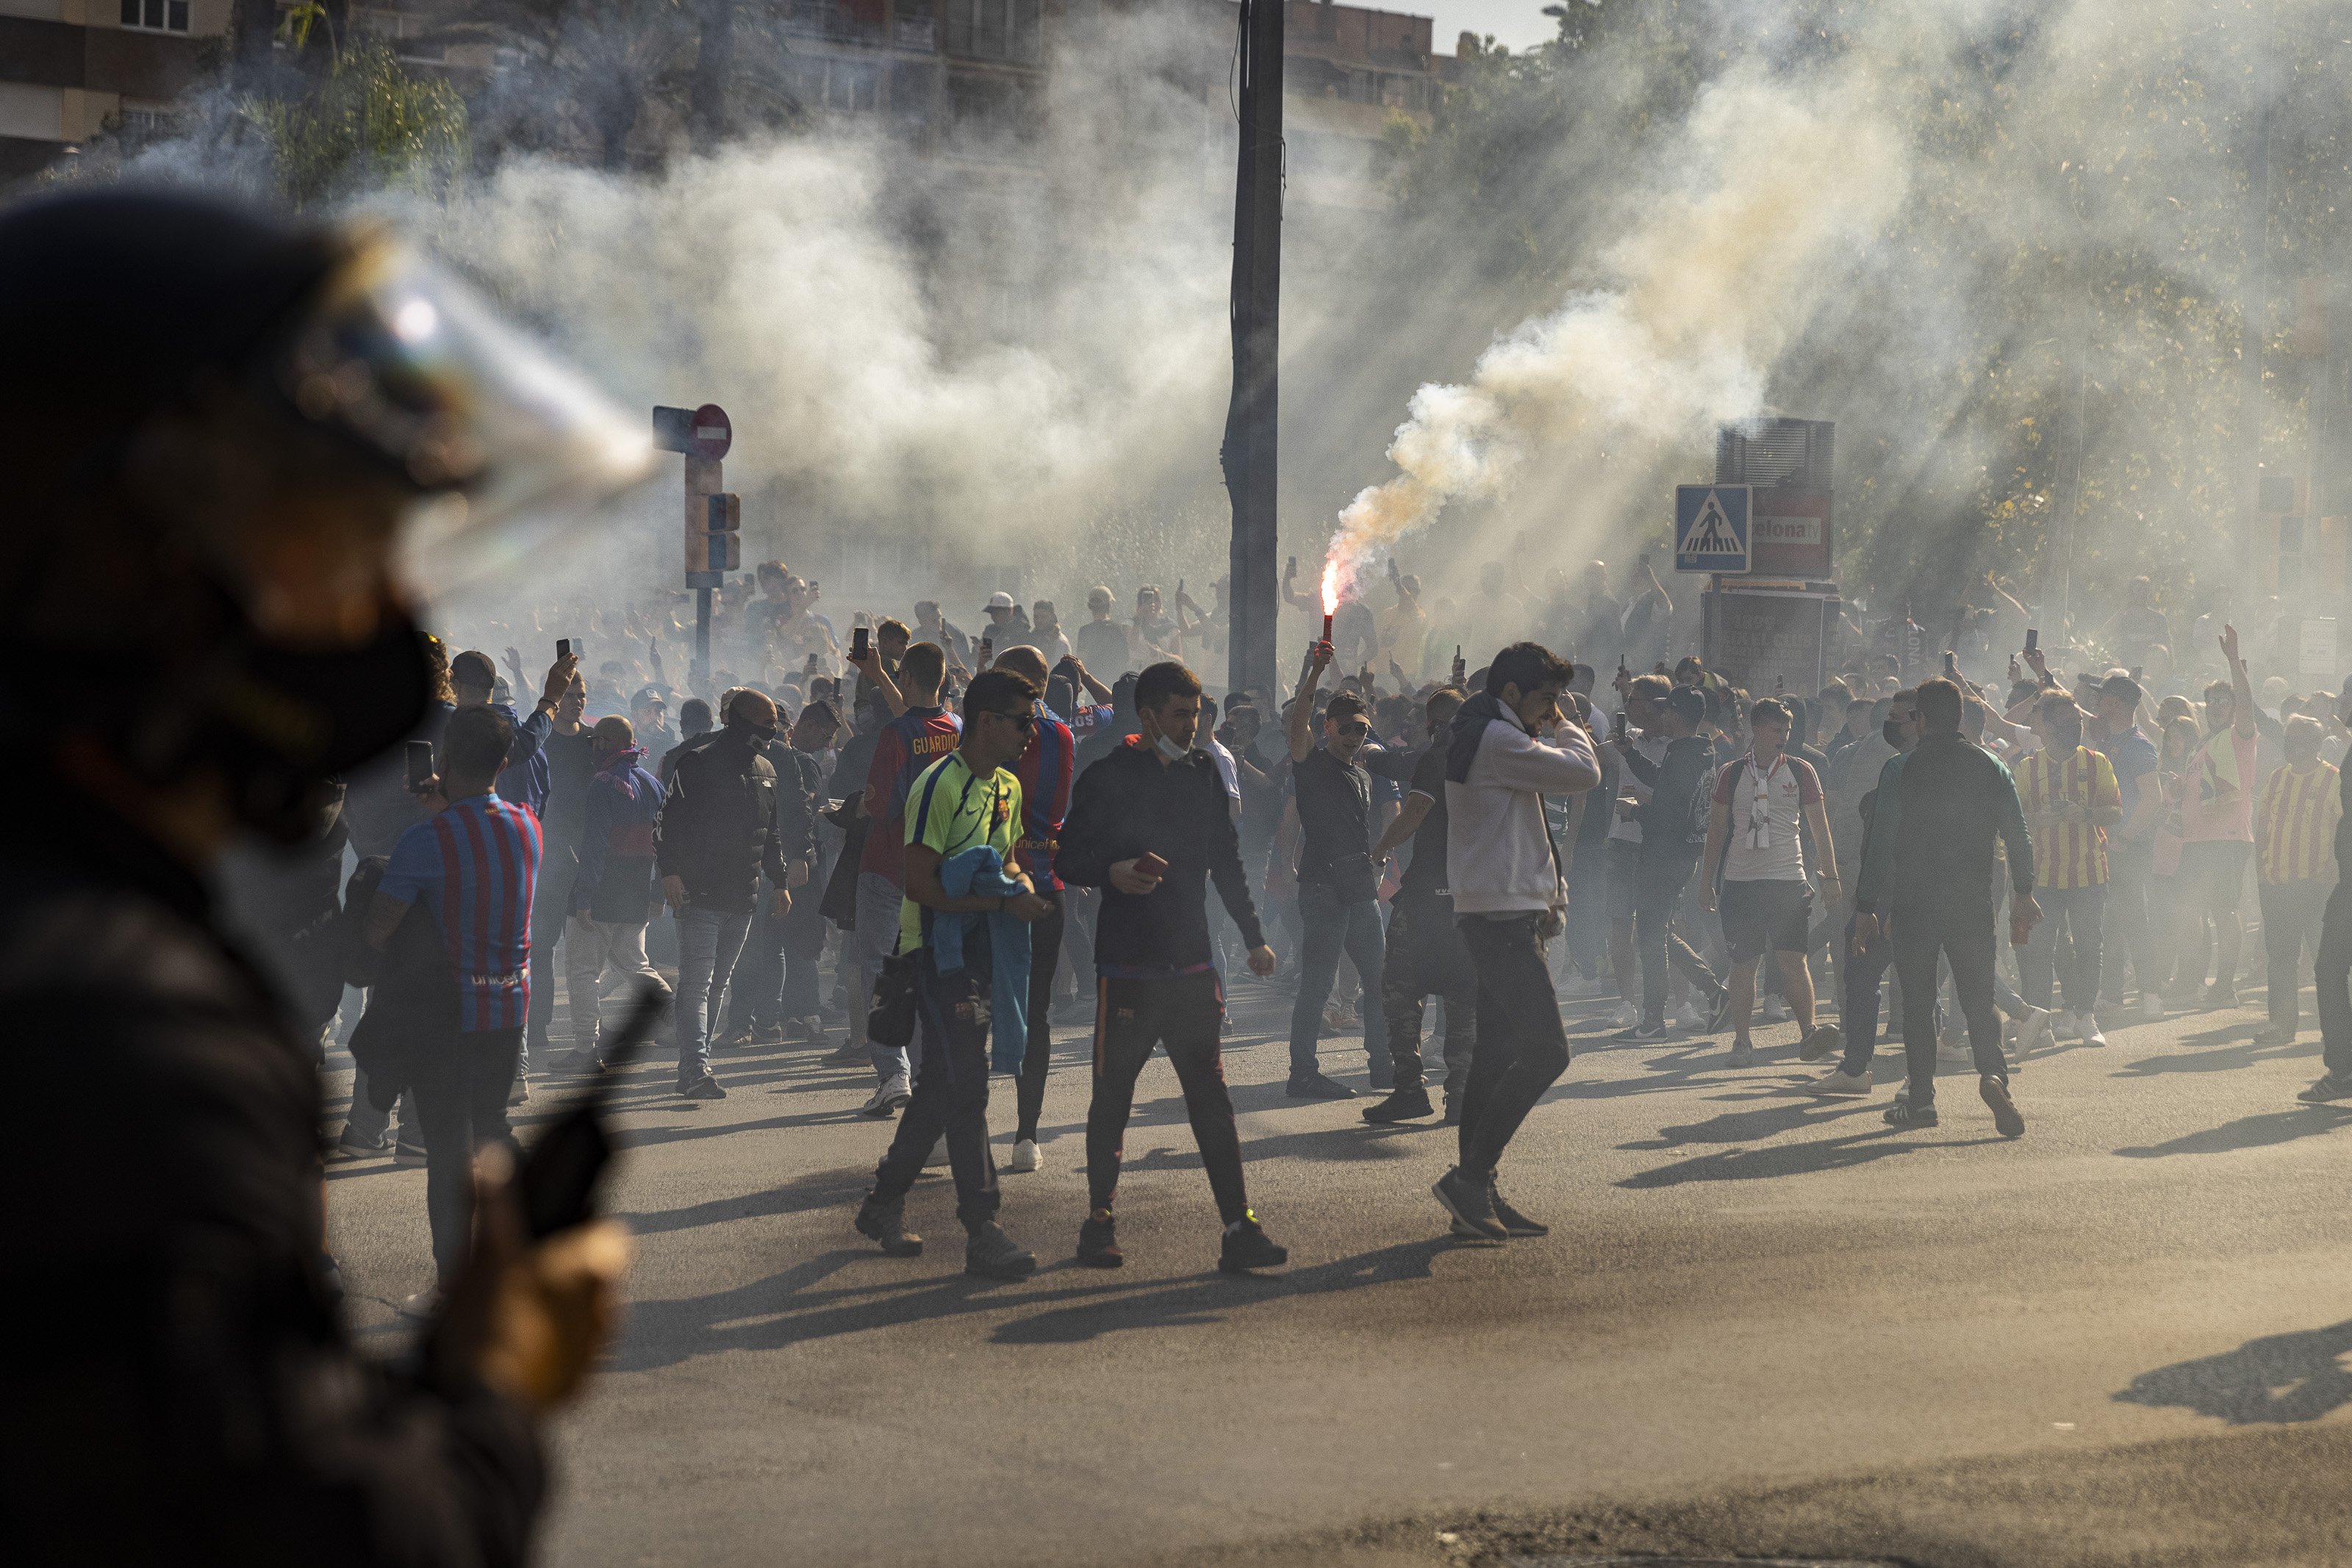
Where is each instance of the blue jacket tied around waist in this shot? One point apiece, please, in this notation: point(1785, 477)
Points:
point(978, 872)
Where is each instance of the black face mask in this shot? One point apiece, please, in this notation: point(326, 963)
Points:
point(279, 724)
point(1893, 731)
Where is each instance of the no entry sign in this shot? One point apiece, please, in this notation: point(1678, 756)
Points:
point(713, 433)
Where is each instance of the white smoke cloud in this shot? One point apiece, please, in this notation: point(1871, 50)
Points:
point(1776, 187)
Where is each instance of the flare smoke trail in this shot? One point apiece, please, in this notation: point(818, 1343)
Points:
point(1717, 279)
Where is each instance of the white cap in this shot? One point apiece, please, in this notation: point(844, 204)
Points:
point(1000, 602)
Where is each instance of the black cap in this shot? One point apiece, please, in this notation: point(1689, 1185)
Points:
point(650, 696)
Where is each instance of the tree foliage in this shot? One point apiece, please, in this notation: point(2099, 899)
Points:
point(366, 124)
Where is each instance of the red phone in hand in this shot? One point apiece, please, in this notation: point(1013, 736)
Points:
point(1150, 864)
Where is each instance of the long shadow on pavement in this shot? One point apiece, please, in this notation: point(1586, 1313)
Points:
point(1752, 1126)
point(785, 1308)
point(1794, 1159)
point(2272, 1381)
point(2211, 1059)
point(2248, 1133)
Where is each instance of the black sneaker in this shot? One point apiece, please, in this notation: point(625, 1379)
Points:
point(1720, 1014)
point(1743, 1054)
point(2331, 1086)
point(1517, 1226)
point(1903, 1113)
point(1471, 1204)
point(703, 1088)
point(1383, 1073)
point(1315, 1086)
point(1401, 1105)
point(2006, 1120)
point(886, 1224)
point(1247, 1248)
point(1098, 1243)
point(1454, 1109)
point(1823, 1038)
point(410, 1155)
point(992, 1255)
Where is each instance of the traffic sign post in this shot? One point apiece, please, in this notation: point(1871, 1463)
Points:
point(703, 435)
point(1713, 529)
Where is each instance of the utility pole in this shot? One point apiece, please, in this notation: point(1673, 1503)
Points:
point(2255, 319)
point(1250, 421)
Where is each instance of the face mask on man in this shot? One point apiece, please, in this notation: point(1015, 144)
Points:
point(1169, 749)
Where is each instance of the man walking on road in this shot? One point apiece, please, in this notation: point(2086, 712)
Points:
point(1425, 955)
point(1956, 799)
point(1672, 836)
point(2071, 799)
point(716, 835)
point(1759, 804)
point(611, 896)
point(966, 802)
point(1149, 823)
point(1506, 749)
point(1879, 813)
point(1338, 892)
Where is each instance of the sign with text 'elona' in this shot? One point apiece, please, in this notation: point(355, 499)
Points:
point(1712, 528)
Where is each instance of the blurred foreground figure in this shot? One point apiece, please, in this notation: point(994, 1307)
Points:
point(215, 432)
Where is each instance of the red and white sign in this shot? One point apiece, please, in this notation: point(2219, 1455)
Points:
point(1789, 533)
point(713, 432)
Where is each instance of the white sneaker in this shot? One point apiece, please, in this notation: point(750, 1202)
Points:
point(1025, 1157)
point(423, 1306)
point(2064, 1024)
point(1774, 1010)
point(2035, 1033)
point(1839, 1082)
point(1952, 1045)
point(1689, 1017)
point(2151, 1007)
point(2091, 1035)
point(892, 1094)
point(1626, 1016)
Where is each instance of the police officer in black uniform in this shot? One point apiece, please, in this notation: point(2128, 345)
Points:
point(212, 430)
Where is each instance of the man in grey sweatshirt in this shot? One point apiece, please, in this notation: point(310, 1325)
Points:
point(1506, 749)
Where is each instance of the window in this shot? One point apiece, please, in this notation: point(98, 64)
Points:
point(995, 29)
point(156, 16)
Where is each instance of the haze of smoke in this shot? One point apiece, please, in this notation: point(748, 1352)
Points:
point(1710, 288)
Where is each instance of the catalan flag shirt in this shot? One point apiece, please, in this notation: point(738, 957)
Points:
point(2295, 822)
point(2071, 853)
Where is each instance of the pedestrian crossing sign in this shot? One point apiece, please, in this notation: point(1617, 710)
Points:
point(1711, 527)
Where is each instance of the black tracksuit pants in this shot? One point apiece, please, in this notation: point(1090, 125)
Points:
point(1522, 1048)
point(1426, 957)
point(1045, 953)
point(1183, 1014)
point(950, 1093)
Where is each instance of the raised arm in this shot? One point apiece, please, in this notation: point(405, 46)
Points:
point(2242, 691)
point(1302, 707)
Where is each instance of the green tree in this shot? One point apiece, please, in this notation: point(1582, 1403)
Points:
point(367, 125)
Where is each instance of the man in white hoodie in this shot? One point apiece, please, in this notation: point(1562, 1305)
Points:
point(1507, 748)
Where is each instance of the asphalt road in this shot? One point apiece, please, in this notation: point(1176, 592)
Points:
point(1763, 1324)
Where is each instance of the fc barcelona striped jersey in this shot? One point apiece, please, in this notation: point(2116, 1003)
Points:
point(474, 866)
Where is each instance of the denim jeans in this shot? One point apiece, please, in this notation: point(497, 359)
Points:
point(2081, 911)
point(876, 937)
point(1330, 927)
point(1660, 886)
point(2130, 927)
point(2291, 926)
point(709, 941)
point(1522, 1048)
point(1037, 1051)
point(461, 1099)
point(2332, 968)
point(1960, 930)
point(758, 986)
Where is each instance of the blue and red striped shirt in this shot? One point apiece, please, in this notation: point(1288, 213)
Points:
point(909, 744)
point(477, 861)
point(1046, 768)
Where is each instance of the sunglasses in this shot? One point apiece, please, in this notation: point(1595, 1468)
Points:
point(1025, 720)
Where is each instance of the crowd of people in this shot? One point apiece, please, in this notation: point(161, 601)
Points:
point(809, 846)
